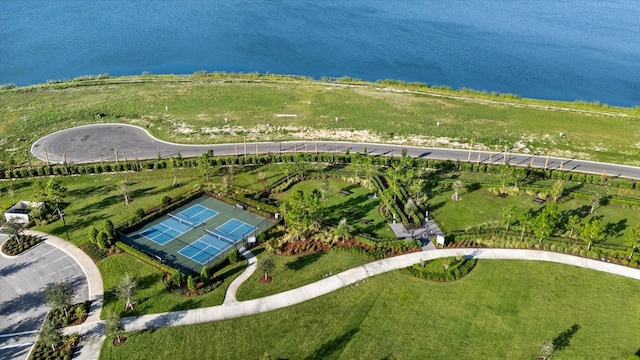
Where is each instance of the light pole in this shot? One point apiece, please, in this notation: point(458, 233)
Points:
point(61, 214)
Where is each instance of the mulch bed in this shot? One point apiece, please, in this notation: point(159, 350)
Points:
point(123, 339)
point(263, 280)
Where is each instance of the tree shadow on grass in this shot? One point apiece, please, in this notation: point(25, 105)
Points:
point(186, 305)
point(563, 340)
point(301, 261)
point(333, 346)
point(229, 273)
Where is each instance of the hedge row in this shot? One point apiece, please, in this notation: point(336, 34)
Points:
point(453, 273)
point(148, 259)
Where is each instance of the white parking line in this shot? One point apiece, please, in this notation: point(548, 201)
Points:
point(53, 273)
point(19, 333)
point(49, 252)
point(15, 346)
point(61, 258)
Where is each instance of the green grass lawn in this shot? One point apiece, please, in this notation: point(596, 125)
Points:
point(501, 310)
point(479, 206)
point(355, 206)
point(202, 106)
point(152, 297)
point(295, 271)
point(90, 199)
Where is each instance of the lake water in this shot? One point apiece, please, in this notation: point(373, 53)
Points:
point(550, 49)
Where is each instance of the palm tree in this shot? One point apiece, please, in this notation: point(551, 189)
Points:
point(344, 229)
point(456, 186)
point(126, 290)
point(507, 213)
point(124, 191)
point(594, 201)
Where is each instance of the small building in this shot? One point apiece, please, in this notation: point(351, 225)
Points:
point(20, 211)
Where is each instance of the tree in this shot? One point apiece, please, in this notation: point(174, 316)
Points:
point(59, 296)
point(543, 226)
point(126, 290)
point(314, 209)
point(123, 187)
point(50, 335)
point(632, 239)
point(344, 230)
point(592, 232)
point(507, 213)
point(55, 191)
point(114, 326)
point(572, 223)
point(456, 186)
point(356, 163)
point(594, 201)
point(203, 165)
point(557, 190)
point(12, 228)
point(171, 169)
point(266, 265)
point(525, 220)
point(547, 348)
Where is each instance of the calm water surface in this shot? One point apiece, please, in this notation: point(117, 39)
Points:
point(571, 49)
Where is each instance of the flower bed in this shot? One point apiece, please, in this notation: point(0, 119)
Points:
point(18, 244)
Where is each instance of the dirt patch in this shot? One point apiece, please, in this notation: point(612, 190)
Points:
point(265, 279)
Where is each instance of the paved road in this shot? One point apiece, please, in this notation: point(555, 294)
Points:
point(22, 303)
point(91, 143)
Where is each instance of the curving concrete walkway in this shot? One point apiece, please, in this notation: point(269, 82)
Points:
point(93, 143)
point(252, 265)
point(232, 310)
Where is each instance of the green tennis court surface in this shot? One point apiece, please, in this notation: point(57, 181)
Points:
point(196, 234)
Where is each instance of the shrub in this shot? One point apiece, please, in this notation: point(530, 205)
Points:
point(191, 283)
point(93, 251)
point(166, 201)
point(102, 240)
point(233, 256)
point(204, 275)
point(93, 234)
point(139, 214)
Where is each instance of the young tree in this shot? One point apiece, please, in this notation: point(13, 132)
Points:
point(123, 187)
point(314, 210)
point(343, 230)
point(126, 290)
point(594, 201)
point(50, 335)
point(543, 226)
point(55, 191)
point(171, 169)
point(592, 232)
point(456, 186)
point(266, 265)
point(12, 228)
point(632, 239)
point(114, 326)
point(557, 190)
point(507, 214)
point(525, 220)
point(547, 348)
point(572, 223)
point(204, 165)
point(59, 296)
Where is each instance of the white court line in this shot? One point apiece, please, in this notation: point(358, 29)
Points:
point(19, 333)
point(60, 258)
point(15, 346)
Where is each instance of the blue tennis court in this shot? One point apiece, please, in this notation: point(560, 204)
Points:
point(216, 241)
point(178, 224)
point(235, 229)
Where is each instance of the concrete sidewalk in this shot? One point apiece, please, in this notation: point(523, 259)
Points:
point(252, 265)
point(92, 330)
point(238, 309)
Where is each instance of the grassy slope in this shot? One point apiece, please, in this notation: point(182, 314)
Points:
point(295, 271)
point(202, 105)
point(488, 314)
point(152, 297)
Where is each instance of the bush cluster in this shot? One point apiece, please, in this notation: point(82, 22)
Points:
point(20, 243)
point(457, 268)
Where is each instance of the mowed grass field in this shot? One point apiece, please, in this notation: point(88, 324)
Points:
point(197, 109)
point(502, 310)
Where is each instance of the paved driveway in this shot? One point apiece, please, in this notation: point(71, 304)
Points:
point(22, 301)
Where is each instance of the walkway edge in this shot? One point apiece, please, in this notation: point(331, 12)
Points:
point(348, 277)
point(252, 265)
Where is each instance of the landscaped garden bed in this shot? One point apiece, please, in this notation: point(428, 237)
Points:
point(442, 269)
point(64, 350)
point(20, 243)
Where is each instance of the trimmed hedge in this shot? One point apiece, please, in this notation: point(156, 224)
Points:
point(148, 259)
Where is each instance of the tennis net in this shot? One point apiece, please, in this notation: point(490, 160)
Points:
point(182, 220)
point(218, 236)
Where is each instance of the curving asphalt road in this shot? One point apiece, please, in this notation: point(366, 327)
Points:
point(93, 143)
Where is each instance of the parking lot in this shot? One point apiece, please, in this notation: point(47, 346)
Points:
point(22, 302)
